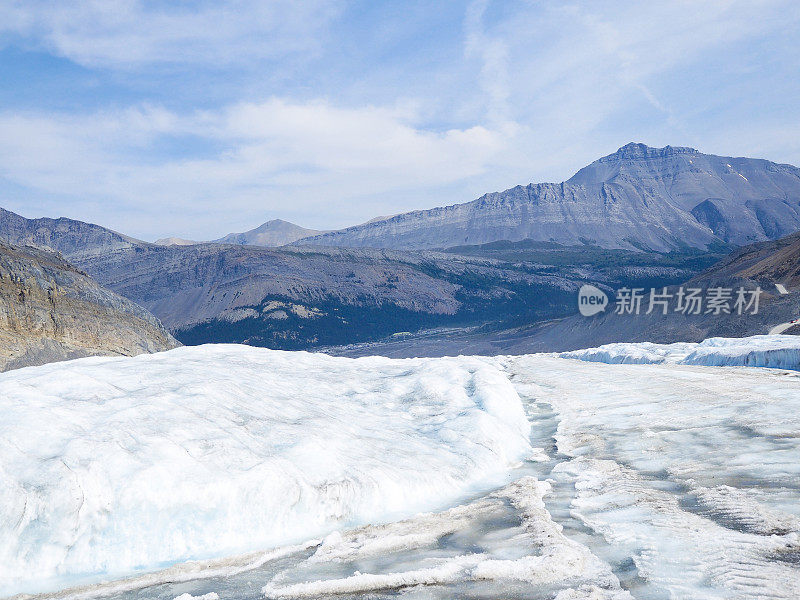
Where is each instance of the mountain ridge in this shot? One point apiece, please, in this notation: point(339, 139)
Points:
point(635, 198)
point(77, 240)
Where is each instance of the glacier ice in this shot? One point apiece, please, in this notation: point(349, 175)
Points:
point(527, 552)
point(776, 351)
point(112, 466)
point(690, 473)
point(658, 479)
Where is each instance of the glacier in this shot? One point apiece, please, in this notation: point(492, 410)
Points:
point(235, 472)
point(113, 466)
point(687, 474)
point(773, 351)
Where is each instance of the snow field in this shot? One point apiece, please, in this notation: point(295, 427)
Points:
point(112, 467)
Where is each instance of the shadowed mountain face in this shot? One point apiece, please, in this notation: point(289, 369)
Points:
point(51, 311)
point(637, 198)
point(763, 265)
point(270, 234)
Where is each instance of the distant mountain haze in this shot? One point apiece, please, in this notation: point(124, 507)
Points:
point(271, 234)
point(175, 241)
point(637, 198)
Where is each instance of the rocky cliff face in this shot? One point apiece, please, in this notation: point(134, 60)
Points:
point(638, 197)
point(51, 311)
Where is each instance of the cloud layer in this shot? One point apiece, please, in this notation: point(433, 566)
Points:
point(210, 117)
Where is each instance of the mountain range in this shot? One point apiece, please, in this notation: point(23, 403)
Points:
point(641, 216)
point(300, 297)
point(636, 198)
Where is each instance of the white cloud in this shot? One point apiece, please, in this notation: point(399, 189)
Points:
point(273, 153)
point(130, 33)
point(529, 92)
point(580, 79)
point(492, 52)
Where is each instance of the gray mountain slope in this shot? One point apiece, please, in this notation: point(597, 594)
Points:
point(76, 240)
point(224, 284)
point(51, 311)
point(638, 197)
point(270, 234)
point(300, 297)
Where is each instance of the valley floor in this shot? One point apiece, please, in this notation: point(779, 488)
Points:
point(640, 481)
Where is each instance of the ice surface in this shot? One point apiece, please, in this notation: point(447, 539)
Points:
point(668, 480)
point(691, 474)
point(526, 555)
point(112, 466)
point(777, 351)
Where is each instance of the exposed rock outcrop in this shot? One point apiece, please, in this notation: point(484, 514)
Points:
point(50, 311)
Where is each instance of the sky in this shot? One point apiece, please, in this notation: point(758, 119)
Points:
point(200, 118)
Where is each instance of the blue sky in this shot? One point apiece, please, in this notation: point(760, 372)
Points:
point(196, 119)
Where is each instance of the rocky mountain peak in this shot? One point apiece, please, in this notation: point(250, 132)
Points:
point(639, 197)
point(637, 150)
